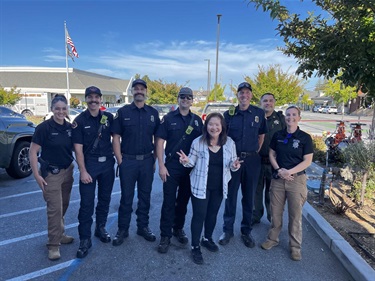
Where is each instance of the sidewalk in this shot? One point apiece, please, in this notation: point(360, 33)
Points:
point(349, 258)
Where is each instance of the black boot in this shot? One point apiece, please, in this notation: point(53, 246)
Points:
point(102, 234)
point(84, 247)
point(120, 236)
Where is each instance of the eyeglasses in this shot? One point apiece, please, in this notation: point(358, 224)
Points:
point(287, 138)
point(188, 97)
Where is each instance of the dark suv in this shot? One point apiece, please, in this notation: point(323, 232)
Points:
point(15, 139)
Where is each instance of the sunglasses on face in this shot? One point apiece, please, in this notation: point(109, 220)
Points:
point(287, 138)
point(188, 97)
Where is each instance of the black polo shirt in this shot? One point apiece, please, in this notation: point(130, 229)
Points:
point(275, 122)
point(245, 126)
point(136, 126)
point(86, 131)
point(173, 127)
point(290, 148)
point(56, 142)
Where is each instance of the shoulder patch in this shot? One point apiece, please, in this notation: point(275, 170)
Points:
point(74, 125)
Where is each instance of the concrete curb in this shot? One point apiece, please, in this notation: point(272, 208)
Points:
point(349, 258)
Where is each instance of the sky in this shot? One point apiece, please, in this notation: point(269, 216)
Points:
point(167, 40)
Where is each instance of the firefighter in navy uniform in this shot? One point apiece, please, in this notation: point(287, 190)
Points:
point(246, 126)
point(93, 148)
point(133, 130)
point(178, 129)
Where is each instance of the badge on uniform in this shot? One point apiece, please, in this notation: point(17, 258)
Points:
point(69, 131)
point(189, 129)
point(295, 143)
point(103, 120)
point(276, 122)
point(74, 125)
point(256, 119)
point(196, 123)
point(152, 118)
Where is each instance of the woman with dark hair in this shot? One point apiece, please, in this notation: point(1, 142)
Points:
point(55, 177)
point(291, 152)
point(212, 155)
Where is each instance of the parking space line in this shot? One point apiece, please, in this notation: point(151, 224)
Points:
point(19, 195)
point(43, 271)
point(37, 234)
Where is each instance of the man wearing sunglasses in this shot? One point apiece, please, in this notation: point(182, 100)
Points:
point(246, 126)
point(177, 130)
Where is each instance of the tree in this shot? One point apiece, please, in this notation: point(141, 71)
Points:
point(74, 102)
point(286, 87)
point(340, 40)
point(10, 97)
point(219, 94)
point(306, 101)
point(340, 93)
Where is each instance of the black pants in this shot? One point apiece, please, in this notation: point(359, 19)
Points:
point(247, 176)
point(174, 209)
point(102, 173)
point(134, 172)
point(205, 211)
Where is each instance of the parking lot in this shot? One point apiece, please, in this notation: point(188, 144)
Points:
point(23, 254)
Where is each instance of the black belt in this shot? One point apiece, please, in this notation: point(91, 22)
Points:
point(246, 154)
point(99, 158)
point(300, 173)
point(137, 157)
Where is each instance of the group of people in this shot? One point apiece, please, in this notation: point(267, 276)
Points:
point(259, 149)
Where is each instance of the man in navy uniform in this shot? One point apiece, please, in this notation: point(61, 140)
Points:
point(133, 130)
point(246, 126)
point(93, 149)
point(178, 129)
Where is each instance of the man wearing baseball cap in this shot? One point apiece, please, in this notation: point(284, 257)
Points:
point(246, 126)
point(92, 144)
point(133, 133)
point(177, 130)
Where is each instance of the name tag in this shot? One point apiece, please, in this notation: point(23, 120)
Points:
point(87, 127)
point(102, 159)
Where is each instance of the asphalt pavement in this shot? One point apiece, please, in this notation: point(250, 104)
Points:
point(23, 254)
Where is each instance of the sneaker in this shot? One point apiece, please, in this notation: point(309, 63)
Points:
point(181, 236)
point(197, 255)
point(66, 239)
point(295, 254)
point(164, 244)
point(269, 244)
point(54, 253)
point(209, 244)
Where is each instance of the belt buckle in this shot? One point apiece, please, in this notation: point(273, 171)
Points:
point(102, 159)
point(139, 157)
point(243, 154)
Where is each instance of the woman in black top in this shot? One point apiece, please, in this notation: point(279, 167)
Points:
point(54, 138)
point(213, 156)
point(291, 152)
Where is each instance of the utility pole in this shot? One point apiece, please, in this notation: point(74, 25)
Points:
point(217, 51)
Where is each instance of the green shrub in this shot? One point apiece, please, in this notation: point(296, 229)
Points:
point(319, 149)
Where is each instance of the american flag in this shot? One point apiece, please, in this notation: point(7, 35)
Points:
point(69, 42)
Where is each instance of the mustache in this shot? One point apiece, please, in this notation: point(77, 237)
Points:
point(93, 102)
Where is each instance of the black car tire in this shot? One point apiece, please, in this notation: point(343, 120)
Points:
point(20, 164)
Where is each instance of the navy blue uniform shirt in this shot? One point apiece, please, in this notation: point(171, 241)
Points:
point(290, 148)
point(56, 142)
point(86, 129)
point(245, 126)
point(172, 129)
point(275, 122)
point(136, 126)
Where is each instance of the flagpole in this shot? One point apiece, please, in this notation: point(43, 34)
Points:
point(67, 66)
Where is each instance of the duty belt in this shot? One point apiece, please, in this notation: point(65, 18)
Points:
point(137, 157)
point(299, 173)
point(243, 155)
point(266, 160)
